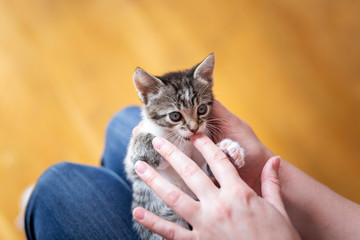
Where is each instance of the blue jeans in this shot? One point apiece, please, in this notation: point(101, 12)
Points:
point(73, 201)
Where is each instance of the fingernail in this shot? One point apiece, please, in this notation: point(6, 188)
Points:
point(158, 143)
point(140, 167)
point(139, 214)
point(135, 130)
point(276, 163)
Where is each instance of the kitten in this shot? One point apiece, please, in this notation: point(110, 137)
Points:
point(175, 106)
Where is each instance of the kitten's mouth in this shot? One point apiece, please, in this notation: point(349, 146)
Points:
point(187, 138)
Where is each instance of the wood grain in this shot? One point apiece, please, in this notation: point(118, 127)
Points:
point(290, 68)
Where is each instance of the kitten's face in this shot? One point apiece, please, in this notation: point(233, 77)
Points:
point(182, 111)
point(181, 102)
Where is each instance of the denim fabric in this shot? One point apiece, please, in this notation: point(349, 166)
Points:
point(73, 201)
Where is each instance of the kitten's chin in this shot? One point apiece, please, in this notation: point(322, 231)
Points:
point(188, 136)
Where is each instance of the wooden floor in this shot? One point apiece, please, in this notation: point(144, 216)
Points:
point(290, 68)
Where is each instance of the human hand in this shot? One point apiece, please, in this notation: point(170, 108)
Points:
point(224, 124)
point(228, 125)
point(232, 211)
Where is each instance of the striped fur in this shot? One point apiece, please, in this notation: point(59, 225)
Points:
point(183, 92)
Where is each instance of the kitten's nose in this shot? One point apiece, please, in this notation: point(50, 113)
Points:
point(194, 130)
point(192, 126)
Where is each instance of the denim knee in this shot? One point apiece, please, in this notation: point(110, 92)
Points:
point(37, 209)
point(73, 201)
point(118, 135)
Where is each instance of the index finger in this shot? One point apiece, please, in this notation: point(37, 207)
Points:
point(199, 183)
point(223, 170)
point(176, 199)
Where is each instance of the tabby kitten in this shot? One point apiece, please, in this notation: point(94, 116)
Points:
point(175, 106)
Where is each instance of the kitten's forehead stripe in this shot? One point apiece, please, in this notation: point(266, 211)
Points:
point(180, 92)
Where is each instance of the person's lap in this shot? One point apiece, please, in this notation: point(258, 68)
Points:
point(73, 201)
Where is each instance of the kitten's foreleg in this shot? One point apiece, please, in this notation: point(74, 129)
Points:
point(144, 151)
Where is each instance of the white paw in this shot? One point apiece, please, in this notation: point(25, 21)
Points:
point(233, 150)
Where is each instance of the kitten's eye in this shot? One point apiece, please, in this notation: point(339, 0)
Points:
point(202, 109)
point(175, 116)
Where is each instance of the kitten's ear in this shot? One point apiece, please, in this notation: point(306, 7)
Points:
point(146, 84)
point(205, 69)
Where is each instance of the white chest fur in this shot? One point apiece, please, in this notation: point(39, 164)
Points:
point(185, 146)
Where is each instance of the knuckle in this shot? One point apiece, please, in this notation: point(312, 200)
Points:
point(248, 196)
point(190, 170)
point(195, 236)
point(170, 233)
point(238, 192)
point(170, 152)
point(150, 179)
point(274, 183)
point(220, 156)
point(223, 210)
point(173, 197)
point(151, 224)
point(245, 196)
point(274, 180)
point(203, 141)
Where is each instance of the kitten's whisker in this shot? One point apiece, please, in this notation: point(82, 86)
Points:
point(205, 97)
point(171, 137)
point(204, 89)
point(178, 140)
point(215, 131)
point(219, 121)
point(222, 127)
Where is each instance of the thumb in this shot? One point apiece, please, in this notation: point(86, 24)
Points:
point(137, 128)
point(270, 185)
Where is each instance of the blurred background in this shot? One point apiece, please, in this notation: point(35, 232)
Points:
point(289, 68)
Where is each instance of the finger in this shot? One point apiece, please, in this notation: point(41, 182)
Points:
point(137, 128)
point(195, 178)
point(223, 170)
point(180, 202)
point(164, 228)
point(270, 185)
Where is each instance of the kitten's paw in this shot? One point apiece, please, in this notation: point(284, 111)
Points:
point(233, 150)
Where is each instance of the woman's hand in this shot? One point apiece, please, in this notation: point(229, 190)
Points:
point(227, 125)
point(232, 211)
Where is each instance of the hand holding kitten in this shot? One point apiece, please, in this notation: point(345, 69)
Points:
point(256, 152)
point(240, 131)
point(233, 210)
